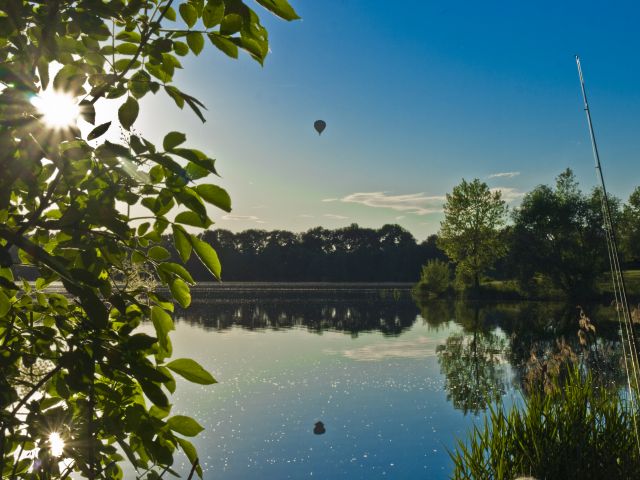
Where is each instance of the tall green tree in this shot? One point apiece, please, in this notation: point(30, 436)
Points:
point(469, 233)
point(629, 231)
point(74, 366)
point(558, 233)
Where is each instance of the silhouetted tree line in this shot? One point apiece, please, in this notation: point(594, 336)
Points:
point(350, 254)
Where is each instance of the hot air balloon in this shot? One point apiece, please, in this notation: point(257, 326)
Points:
point(319, 125)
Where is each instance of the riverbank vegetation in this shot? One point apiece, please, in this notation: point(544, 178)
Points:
point(552, 246)
point(576, 421)
point(575, 430)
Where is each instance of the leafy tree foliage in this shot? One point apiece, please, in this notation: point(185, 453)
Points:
point(630, 228)
point(435, 278)
point(469, 233)
point(558, 232)
point(74, 363)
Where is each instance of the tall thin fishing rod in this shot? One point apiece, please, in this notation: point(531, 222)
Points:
point(605, 197)
point(617, 277)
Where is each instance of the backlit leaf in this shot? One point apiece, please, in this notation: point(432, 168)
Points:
point(207, 255)
point(180, 291)
point(163, 323)
point(195, 40)
point(128, 112)
point(5, 305)
point(280, 8)
point(182, 242)
point(186, 426)
point(212, 13)
point(215, 196)
point(172, 140)
point(191, 370)
point(188, 14)
point(98, 131)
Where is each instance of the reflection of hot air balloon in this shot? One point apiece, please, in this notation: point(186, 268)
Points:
point(319, 429)
point(319, 125)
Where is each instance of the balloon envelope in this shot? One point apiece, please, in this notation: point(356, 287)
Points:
point(319, 125)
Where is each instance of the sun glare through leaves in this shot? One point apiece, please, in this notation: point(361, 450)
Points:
point(56, 444)
point(59, 109)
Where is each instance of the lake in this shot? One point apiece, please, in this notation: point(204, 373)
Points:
point(394, 383)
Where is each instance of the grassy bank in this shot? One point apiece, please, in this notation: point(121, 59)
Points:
point(540, 289)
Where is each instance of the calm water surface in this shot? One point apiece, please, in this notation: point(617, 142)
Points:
point(394, 384)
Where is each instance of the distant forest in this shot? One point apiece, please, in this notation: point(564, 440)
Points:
point(350, 254)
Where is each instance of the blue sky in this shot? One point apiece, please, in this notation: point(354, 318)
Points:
point(416, 95)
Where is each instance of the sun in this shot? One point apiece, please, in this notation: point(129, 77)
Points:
point(59, 109)
point(56, 444)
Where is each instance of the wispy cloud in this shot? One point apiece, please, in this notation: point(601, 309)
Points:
point(400, 217)
point(330, 199)
point(509, 194)
point(305, 215)
point(416, 203)
point(334, 216)
point(421, 347)
point(504, 175)
point(246, 218)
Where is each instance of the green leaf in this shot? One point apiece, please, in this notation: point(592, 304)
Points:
point(280, 7)
point(191, 453)
point(193, 219)
point(196, 171)
point(180, 48)
point(192, 200)
point(180, 291)
point(212, 13)
point(140, 84)
point(170, 14)
point(188, 14)
point(195, 40)
point(98, 131)
point(158, 253)
point(207, 256)
point(5, 305)
point(231, 24)
point(177, 269)
point(127, 48)
point(191, 370)
point(128, 112)
point(129, 36)
point(223, 44)
point(181, 242)
point(186, 426)
point(155, 394)
point(88, 111)
point(163, 323)
point(215, 196)
point(172, 140)
point(158, 412)
point(158, 72)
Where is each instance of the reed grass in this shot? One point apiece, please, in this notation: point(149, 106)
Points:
point(578, 430)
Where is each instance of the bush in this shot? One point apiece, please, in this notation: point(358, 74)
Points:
point(435, 278)
point(574, 431)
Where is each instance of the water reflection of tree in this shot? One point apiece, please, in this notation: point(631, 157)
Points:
point(436, 313)
point(533, 334)
point(473, 363)
point(315, 313)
